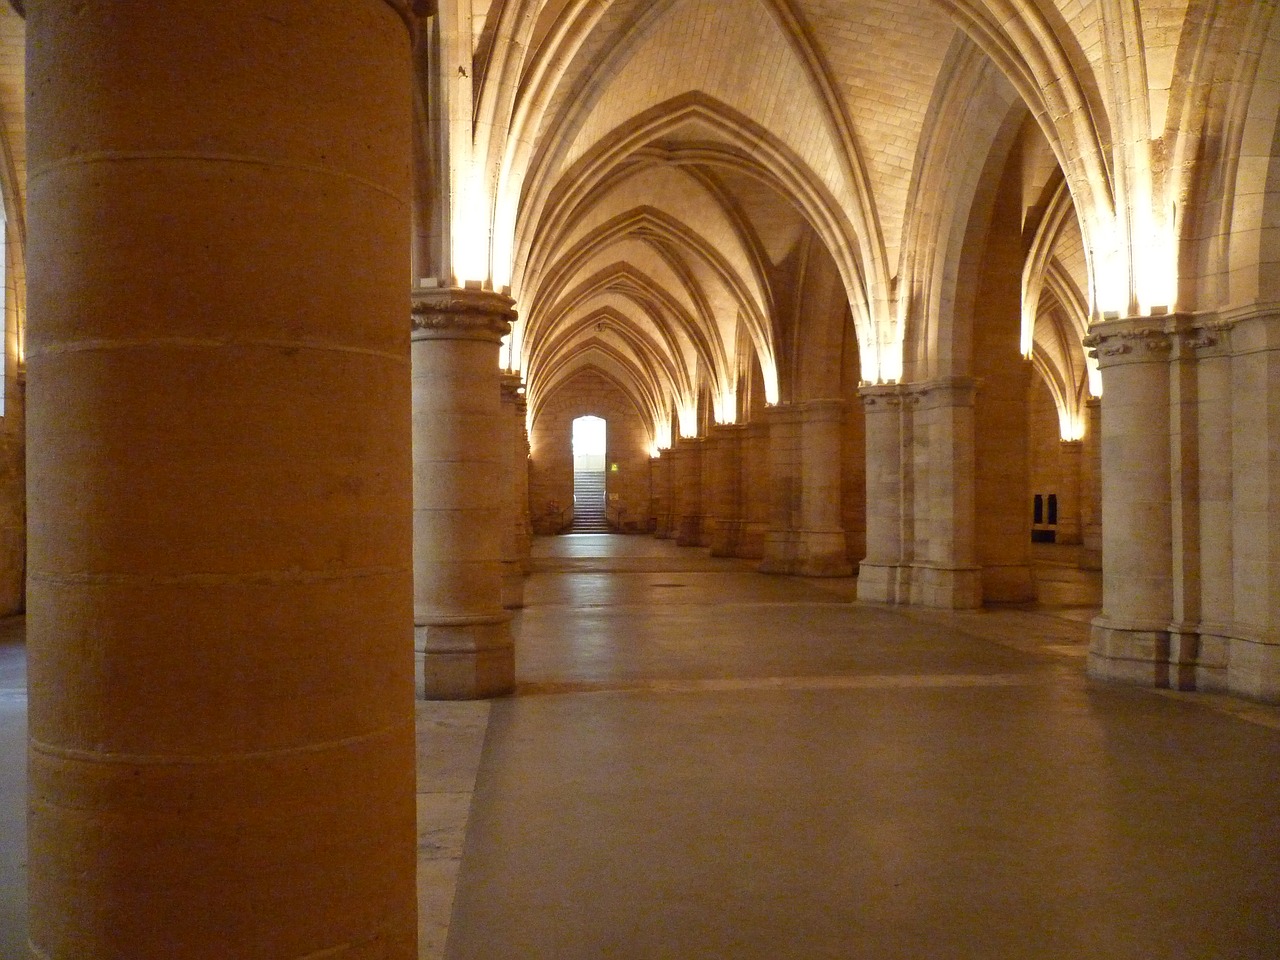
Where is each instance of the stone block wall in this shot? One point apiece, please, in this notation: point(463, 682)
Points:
point(551, 454)
point(1044, 445)
point(853, 475)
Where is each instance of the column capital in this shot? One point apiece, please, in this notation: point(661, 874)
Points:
point(458, 313)
point(727, 429)
point(782, 413)
point(1132, 340)
point(828, 408)
point(511, 385)
point(881, 396)
point(942, 392)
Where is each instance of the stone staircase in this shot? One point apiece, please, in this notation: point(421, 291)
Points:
point(589, 504)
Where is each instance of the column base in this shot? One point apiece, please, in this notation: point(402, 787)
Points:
point(725, 538)
point(1013, 583)
point(470, 660)
point(780, 552)
point(689, 532)
point(881, 582)
point(512, 586)
point(1209, 662)
point(751, 541)
point(1253, 669)
point(1129, 654)
point(823, 553)
point(946, 588)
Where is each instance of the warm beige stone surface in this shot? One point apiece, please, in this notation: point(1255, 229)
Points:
point(725, 489)
point(687, 490)
point(785, 486)
point(515, 473)
point(627, 445)
point(219, 584)
point(460, 439)
point(840, 223)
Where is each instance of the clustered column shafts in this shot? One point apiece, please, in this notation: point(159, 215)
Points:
point(821, 546)
point(220, 671)
point(780, 540)
point(462, 633)
point(1130, 637)
point(1071, 454)
point(687, 482)
point(881, 572)
point(727, 475)
point(754, 485)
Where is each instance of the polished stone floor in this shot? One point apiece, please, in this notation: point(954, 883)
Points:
point(705, 762)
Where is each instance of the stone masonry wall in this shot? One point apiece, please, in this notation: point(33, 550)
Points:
point(551, 454)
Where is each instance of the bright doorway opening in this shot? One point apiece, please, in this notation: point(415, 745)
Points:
point(590, 443)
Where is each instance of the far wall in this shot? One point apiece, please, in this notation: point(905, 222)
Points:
point(551, 453)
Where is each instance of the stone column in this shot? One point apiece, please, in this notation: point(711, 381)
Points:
point(710, 476)
point(688, 491)
point(881, 573)
point(1131, 637)
point(728, 490)
point(513, 517)
point(219, 596)
point(781, 539)
point(1216, 498)
point(1255, 376)
point(522, 484)
point(945, 572)
point(821, 547)
point(463, 636)
point(754, 485)
point(664, 494)
point(1070, 456)
point(1091, 487)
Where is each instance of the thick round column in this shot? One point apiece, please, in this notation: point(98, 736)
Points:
point(221, 715)
point(688, 491)
point(822, 550)
point(462, 634)
point(513, 519)
point(784, 486)
point(1131, 637)
point(878, 573)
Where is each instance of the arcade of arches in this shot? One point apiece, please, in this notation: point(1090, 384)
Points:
point(296, 289)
